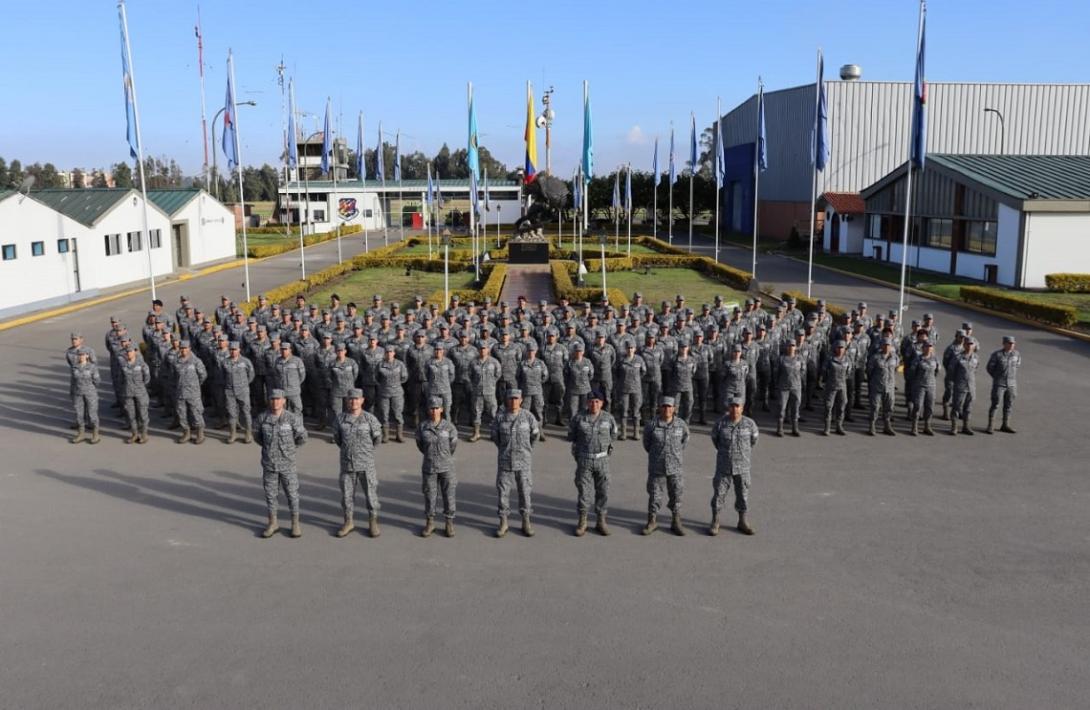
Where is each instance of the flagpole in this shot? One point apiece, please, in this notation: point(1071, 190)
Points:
point(363, 183)
point(291, 123)
point(400, 197)
point(204, 120)
point(718, 169)
point(692, 177)
point(238, 155)
point(670, 179)
point(756, 176)
point(140, 150)
point(813, 188)
point(655, 194)
point(430, 201)
point(473, 197)
point(628, 206)
point(336, 202)
point(617, 213)
point(908, 176)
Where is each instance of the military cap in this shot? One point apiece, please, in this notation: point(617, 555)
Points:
point(75, 335)
point(862, 304)
point(928, 316)
point(524, 326)
point(391, 349)
point(821, 301)
point(800, 331)
point(305, 327)
point(737, 348)
point(454, 298)
point(551, 331)
point(514, 394)
point(314, 306)
point(132, 349)
point(840, 344)
point(296, 319)
point(435, 403)
point(791, 299)
point(400, 328)
point(1008, 339)
point(221, 338)
point(354, 393)
point(579, 345)
point(340, 346)
point(419, 334)
point(339, 318)
point(372, 336)
point(747, 331)
point(262, 329)
point(749, 301)
point(679, 297)
point(597, 394)
point(761, 326)
point(184, 344)
point(285, 345)
point(113, 320)
point(440, 345)
point(666, 402)
point(276, 393)
point(698, 333)
point(233, 345)
point(966, 326)
point(532, 346)
point(713, 328)
point(376, 297)
point(275, 336)
point(736, 402)
point(928, 344)
point(637, 294)
point(915, 324)
point(887, 341)
point(630, 345)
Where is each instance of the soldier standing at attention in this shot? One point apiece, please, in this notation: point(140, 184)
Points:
point(965, 365)
point(83, 387)
point(592, 433)
point(925, 369)
point(484, 376)
point(1003, 367)
point(533, 373)
point(555, 357)
point(631, 371)
point(291, 373)
point(357, 433)
point(437, 438)
point(734, 437)
point(135, 376)
point(514, 431)
point(343, 373)
point(664, 440)
point(462, 355)
point(948, 357)
point(790, 373)
point(881, 386)
point(440, 373)
point(577, 379)
point(682, 371)
point(238, 373)
point(190, 374)
point(280, 433)
point(391, 375)
point(838, 370)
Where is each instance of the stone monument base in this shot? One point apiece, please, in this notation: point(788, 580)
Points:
point(520, 252)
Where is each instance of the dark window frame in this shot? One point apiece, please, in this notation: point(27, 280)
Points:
point(37, 248)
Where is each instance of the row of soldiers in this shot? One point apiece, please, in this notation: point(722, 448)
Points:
point(514, 431)
point(469, 357)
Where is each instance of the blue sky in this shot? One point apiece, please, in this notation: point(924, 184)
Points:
point(407, 63)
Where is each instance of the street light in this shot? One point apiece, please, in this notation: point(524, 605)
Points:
point(547, 116)
point(214, 151)
point(1002, 129)
point(445, 241)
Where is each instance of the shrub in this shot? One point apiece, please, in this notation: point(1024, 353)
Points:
point(808, 305)
point(564, 287)
point(266, 250)
point(1068, 283)
point(491, 288)
point(1064, 316)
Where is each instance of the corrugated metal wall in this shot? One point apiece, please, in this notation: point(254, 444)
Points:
point(933, 196)
point(868, 128)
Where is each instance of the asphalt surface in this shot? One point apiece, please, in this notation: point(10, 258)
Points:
point(889, 572)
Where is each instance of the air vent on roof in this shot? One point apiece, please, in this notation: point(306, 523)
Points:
point(851, 72)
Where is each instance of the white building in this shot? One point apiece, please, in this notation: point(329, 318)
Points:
point(374, 205)
point(59, 246)
point(202, 229)
point(843, 232)
point(1002, 219)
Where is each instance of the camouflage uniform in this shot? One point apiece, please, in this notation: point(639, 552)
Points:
point(592, 438)
point(925, 371)
point(485, 377)
point(681, 380)
point(881, 386)
point(391, 376)
point(357, 436)
point(630, 374)
point(190, 375)
point(577, 378)
point(789, 377)
point(531, 380)
point(135, 377)
point(514, 434)
point(734, 442)
point(837, 373)
point(291, 374)
point(83, 387)
point(555, 357)
point(1003, 368)
point(237, 376)
point(279, 438)
point(342, 378)
point(440, 376)
point(965, 366)
point(437, 443)
point(665, 445)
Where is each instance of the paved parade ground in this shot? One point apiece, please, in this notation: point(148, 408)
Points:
point(885, 572)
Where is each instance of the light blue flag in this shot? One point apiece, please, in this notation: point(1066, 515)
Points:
point(616, 202)
point(293, 133)
point(720, 158)
point(361, 166)
point(380, 167)
point(473, 161)
point(327, 139)
point(762, 139)
point(694, 156)
point(430, 195)
point(655, 164)
point(588, 142)
point(126, 79)
point(229, 142)
point(397, 156)
point(628, 189)
point(474, 198)
point(673, 167)
point(821, 120)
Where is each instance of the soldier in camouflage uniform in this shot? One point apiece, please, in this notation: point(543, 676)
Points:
point(577, 379)
point(555, 357)
point(592, 433)
point(462, 355)
point(925, 370)
point(734, 437)
point(83, 388)
point(664, 440)
point(604, 358)
point(514, 431)
point(343, 373)
point(291, 373)
point(1003, 367)
point(238, 374)
point(190, 375)
point(357, 433)
point(948, 357)
point(532, 376)
point(881, 386)
point(631, 371)
point(436, 439)
point(280, 433)
point(790, 373)
point(965, 366)
point(838, 370)
point(484, 375)
point(135, 376)
point(441, 373)
point(391, 376)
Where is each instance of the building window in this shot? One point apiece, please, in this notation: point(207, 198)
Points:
point(874, 226)
point(113, 244)
point(133, 240)
point(940, 233)
point(368, 213)
point(319, 215)
point(62, 246)
point(9, 252)
point(37, 248)
point(980, 238)
point(155, 236)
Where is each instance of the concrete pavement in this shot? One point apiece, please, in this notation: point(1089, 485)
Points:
point(886, 572)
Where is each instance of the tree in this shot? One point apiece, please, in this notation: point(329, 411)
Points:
point(441, 162)
point(4, 177)
point(49, 176)
point(122, 175)
point(99, 179)
point(15, 174)
point(78, 179)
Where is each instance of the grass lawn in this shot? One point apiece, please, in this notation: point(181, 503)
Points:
point(264, 209)
point(1079, 301)
point(393, 284)
point(664, 284)
point(891, 273)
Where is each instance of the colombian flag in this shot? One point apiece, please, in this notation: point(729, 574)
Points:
point(530, 137)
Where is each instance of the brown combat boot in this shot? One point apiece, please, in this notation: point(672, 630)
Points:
point(385, 434)
point(651, 526)
point(429, 527)
point(795, 428)
point(713, 529)
point(95, 438)
point(372, 526)
point(602, 527)
point(966, 429)
point(870, 429)
point(476, 433)
point(743, 526)
point(502, 529)
point(397, 434)
point(887, 428)
point(248, 438)
point(199, 439)
point(581, 527)
point(945, 412)
point(636, 432)
point(272, 527)
point(990, 429)
point(827, 429)
point(348, 526)
point(915, 428)
point(1007, 428)
point(133, 436)
point(624, 431)
point(232, 434)
point(953, 426)
point(296, 532)
point(184, 437)
point(143, 439)
point(527, 527)
point(840, 429)
point(675, 525)
point(449, 529)
point(779, 427)
point(80, 436)
point(927, 427)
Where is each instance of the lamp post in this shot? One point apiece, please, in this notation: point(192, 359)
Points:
point(547, 116)
point(602, 239)
point(214, 151)
point(498, 205)
point(445, 240)
point(1002, 129)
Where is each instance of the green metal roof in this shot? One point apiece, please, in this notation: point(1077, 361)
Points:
point(404, 184)
point(170, 201)
point(5, 194)
point(1024, 177)
point(83, 205)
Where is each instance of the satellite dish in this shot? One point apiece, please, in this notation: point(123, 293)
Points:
point(540, 121)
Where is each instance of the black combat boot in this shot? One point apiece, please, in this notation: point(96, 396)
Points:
point(840, 429)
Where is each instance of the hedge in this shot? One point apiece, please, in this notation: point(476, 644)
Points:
point(263, 251)
point(808, 305)
point(1068, 283)
point(736, 278)
point(491, 288)
point(565, 288)
point(1064, 316)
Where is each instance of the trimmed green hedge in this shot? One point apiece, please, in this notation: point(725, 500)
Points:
point(491, 288)
point(1063, 316)
point(263, 251)
point(564, 287)
point(1068, 283)
point(809, 305)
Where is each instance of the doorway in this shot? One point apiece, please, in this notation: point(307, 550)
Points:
point(180, 255)
point(834, 235)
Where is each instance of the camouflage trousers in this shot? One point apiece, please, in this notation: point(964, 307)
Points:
point(288, 481)
point(576, 403)
point(1002, 394)
point(923, 403)
point(365, 481)
point(836, 402)
point(390, 410)
point(86, 406)
point(445, 483)
point(881, 406)
point(238, 404)
point(507, 480)
point(294, 402)
point(554, 400)
point(721, 486)
point(136, 411)
point(630, 404)
point(483, 402)
point(592, 484)
point(789, 405)
point(190, 411)
point(962, 405)
point(671, 486)
point(535, 402)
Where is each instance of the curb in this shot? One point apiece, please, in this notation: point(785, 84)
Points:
point(80, 305)
point(952, 302)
